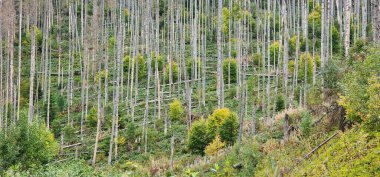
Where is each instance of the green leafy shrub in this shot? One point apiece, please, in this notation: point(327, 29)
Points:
point(102, 75)
point(293, 44)
point(229, 129)
point(176, 111)
point(360, 91)
point(314, 97)
point(223, 122)
point(247, 154)
point(309, 62)
point(141, 62)
point(226, 19)
point(275, 50)
point(280, 103)
point(159, 60)
point(189, 66)
point(174, 72)
point(215, 146)
point(26, 145)
point(331, 75)
point(53, 107)
point(92, 117)
point(257, 59)
point(230, 70)
point(335, 37)
point(315, 17)
point(199, 137)
point(24, 91)
point(306, 123)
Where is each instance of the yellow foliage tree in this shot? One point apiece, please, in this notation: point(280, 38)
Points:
point(214, 147)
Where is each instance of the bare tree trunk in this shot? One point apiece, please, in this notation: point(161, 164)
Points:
point(219, 87)
point(115, 116)
point(19, 61)
point(172, 153)
point(286, 128)
point(98, 125)
point(376, 20)
point(323, 20)
point(306, 61)
point(148, 52)
point(1, 79)
point(253, 125)
point(364, 18)
point(32, 72)
point(286, 50)
point(347, 20)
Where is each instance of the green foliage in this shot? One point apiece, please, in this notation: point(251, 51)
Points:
point(131, 132)
point(373, 115)
point(280, 103)
point(223, 122)
point(214, 147)
point(24, 91)
point(314, 96)
point(92, 117)
point(331, 74)
point(199, 137)
point(360, 88)
point(275, 50)
point(26, 145)
point(53, 107)
point(230, 70)
point(142, 69)
point(102, 75)
point(159, 60)
point(176, 111)
point(257, 59)
point(315, 17)
point(216, 118)
point(226, 19)
point(228, 130)
point(174, 72)
point(38, 35)
point(69, 133)
point(189, 66)
point(74, 167)
point(293, 44)
point(335, 39)
point(126, 13)
point(247, 153)
point(301, 69)
point(306, 122)
point(355, 153)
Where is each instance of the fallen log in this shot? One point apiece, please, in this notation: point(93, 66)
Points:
point(72, 145)
point(320, 145)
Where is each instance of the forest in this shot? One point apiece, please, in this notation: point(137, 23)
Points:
point(190, 88)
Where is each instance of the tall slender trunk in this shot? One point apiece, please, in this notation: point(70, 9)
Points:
point(220, 57)
point(19, 61)
point(347, 20)
point(32, 72)
point(376, 20)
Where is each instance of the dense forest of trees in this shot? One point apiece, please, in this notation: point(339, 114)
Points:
point(188, 87)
